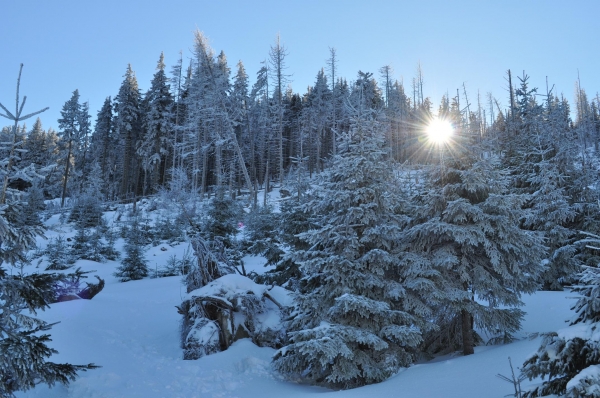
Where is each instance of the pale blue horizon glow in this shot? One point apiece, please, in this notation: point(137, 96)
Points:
point(67, 44)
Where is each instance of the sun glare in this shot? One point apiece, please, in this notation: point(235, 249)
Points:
point(439, 131)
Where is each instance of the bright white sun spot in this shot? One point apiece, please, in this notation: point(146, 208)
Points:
point(439, 131)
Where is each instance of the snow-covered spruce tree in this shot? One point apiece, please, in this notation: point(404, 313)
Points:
point(540, 154)
point(69, 131)
point(223, 214)
point(152, 148)
point(103, 147)
point(467, 228)
point(351, 326)
point(35, 203)
point(292, 221)
point(570, 357)
point(58, 253)
point(23, 343)
point(87, 208)
point(127, 126)
point(261, 234)
point(134, 265)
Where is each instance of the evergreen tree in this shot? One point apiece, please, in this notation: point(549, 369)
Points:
point(277, 56)
point(58, 254)
point(83, 138)
point(570, 357)
point(223, 215)
point(127, 128)
point(352, 326)
point(317, 109)
point(134, 265)
point(466, 227)
point(23, 343)
point(39, 150)
point(153, 146)
point(69, 131)
point(103, 146)
point(540, 157)
point(34, 204)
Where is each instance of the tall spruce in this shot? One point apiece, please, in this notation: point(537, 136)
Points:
point(127, 127)
point(69, 131)
point(158, 127)
point(352, 326)
point(103, 146)
point(467, 227)
point(540, 157)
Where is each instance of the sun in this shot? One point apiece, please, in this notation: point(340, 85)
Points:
point(439, 131)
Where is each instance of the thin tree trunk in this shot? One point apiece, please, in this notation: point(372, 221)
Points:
point(467, 333)
point(68, 163)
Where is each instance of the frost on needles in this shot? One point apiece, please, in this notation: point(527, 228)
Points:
point(352, 326)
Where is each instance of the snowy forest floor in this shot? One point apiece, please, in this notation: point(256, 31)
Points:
point(132, 330)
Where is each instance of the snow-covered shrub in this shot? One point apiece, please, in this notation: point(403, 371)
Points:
point(570, 357)
point(228, 309)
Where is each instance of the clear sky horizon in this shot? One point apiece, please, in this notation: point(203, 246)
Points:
point(67, 44)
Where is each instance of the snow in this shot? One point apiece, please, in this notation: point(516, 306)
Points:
point(132, 330)
point(584, 331)
point(256, 264)
point(592, 373)
point(234, 284)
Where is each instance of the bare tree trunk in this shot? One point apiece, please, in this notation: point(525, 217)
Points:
point(266, 184)
point(204, 152)
point(68, 163)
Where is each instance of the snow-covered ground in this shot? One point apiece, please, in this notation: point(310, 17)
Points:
point(132, 330)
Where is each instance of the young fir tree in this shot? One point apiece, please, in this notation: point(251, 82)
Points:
point(570, 357)
point(223, 215)
point(23, 341)
point(467, 228)
point(351, 326)
point(134, 265)
point(282, 243)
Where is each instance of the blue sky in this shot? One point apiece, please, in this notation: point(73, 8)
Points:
point(80, 44)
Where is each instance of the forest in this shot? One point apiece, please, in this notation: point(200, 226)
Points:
point(389, 245)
